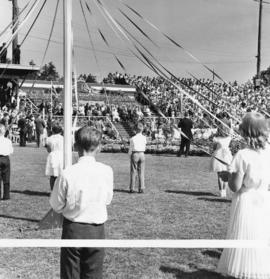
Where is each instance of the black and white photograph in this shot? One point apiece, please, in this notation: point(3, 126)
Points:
point(128, 120)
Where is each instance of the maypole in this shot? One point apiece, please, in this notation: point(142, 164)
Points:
point(67, 82)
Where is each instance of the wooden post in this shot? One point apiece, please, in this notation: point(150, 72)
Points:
point(15, 12)
point(259, 40)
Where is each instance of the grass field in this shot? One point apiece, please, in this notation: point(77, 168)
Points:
point(181, 202)
point(43, 263)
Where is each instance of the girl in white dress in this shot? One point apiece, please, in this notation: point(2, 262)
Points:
point(54, 145)
point(222, 151)
point(249, 179)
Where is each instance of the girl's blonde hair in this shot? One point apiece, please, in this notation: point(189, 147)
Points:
point(255, 129)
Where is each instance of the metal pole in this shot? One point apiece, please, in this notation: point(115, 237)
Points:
point(15, 12)
point(67, 5)
point(259, 40)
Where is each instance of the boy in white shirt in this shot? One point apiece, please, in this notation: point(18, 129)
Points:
point(81, 193)
point(137, 159)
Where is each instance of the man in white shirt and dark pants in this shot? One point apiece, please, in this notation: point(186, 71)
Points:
point(137, 159)
point(81, 193)
point(5, 150)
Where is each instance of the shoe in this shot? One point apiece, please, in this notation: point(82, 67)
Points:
point(141, 191)
point(131, 191)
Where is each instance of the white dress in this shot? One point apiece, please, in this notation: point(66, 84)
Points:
point(222, 152)
point(249, 217)
point(54, 163)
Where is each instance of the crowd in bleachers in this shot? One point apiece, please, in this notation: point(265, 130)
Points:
point(216, 97)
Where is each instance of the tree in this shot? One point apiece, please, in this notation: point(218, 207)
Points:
point(88, 78)
point(265, 75)
point(48, 72)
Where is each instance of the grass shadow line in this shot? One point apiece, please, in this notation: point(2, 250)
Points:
point(31, 193)
point(191, 193)
point(198, 274)
point(121, 190)
point(19, 218)
point(215, 200)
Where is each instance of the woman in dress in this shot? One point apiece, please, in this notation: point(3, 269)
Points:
point(54, 146)
point(222, 151)
point(249, 179)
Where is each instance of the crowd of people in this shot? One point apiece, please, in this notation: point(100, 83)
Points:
point(214, 96)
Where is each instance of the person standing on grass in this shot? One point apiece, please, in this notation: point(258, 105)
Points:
point(5, 150)
point(249, 179)
point(40, 126)
point(185, 125)
point(81, 193)
point(137, 159)
point(222, 151)
point(55, 147)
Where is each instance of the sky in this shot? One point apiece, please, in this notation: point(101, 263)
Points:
point(220, 33)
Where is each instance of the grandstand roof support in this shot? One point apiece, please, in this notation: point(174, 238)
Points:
point(67, 5)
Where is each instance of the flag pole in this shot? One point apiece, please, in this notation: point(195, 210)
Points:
point(67, 82)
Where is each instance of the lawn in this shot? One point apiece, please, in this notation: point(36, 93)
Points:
point(181, 199)
point(181, 202)
point(43, 263)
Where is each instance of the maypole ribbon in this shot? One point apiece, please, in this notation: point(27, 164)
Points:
point(90, 37)
point(29, 30)
point(154, 66)
point(218, 95)
point(104, 38)
point(13, 25)
point(22, 24)
point(48, 41)
point(177, 44)
point(151, 66)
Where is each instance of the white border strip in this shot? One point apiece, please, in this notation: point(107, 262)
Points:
point(13, 243)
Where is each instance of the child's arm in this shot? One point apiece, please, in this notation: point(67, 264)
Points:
point(58, 195)
point(235, 181)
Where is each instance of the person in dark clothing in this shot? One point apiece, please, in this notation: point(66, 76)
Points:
point(17, 55)
point(5, 150)
point(22, 125)
point(185, 125)
point(40, 125)
point(3, 53)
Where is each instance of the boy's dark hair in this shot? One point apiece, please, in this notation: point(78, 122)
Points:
point(88, 138)
point(57, 129)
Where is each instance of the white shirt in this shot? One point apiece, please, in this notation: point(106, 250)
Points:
point(6, 147)
point(54, 163)
point(83, 190)
point(137, 143)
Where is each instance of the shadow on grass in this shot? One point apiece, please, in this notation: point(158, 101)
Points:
point(212, 253)
point(121, 190)
point(31, 193)
point(215, 200)
point(198, 274)
point(19, 218)
point(191, 193)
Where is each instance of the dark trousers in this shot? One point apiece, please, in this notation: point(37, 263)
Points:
point(5, 176)
point(184, 146)
point(22, 138)
point(52, 180)
point(137, 166)
point(82, 263)
point(39, 137)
